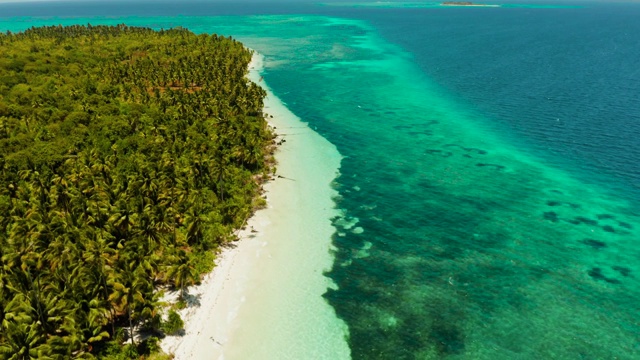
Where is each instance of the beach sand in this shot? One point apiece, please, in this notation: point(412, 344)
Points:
point(264, 298)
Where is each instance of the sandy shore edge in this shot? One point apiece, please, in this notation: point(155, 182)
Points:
point(213, 328)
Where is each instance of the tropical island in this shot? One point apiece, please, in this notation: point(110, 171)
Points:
point(128, 158)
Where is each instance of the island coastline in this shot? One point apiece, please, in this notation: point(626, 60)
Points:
point(235, 304)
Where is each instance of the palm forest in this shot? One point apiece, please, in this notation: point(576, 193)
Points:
point(128, 158)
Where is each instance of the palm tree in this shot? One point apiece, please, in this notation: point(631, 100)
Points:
point(97, 268)
point(181, 272)
point(21, 340)
point(130, 290)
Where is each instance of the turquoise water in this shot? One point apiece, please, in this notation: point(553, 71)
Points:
point(456, 240)
point(438, 4)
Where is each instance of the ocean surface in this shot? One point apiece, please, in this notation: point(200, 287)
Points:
point(490, 185)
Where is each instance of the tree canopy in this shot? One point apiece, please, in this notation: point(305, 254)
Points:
point(127, 157)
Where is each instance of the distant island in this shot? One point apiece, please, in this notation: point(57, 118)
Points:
point(464, 3)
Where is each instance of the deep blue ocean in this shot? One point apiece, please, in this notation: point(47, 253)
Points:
point(490, 186)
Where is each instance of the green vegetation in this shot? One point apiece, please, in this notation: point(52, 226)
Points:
point(127, 158)
point(173, 324)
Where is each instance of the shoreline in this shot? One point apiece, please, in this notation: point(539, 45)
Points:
point(242, 300)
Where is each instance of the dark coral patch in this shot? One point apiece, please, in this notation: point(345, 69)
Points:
point(625, 225)
point(596, 244)
point(468, 149)
point(423, 132)
point(583, 220)
point(432, 122)
point(596, 273)
point(608, 228)
point(438, 152)
point(605, 217)
point(624, 271)
point(477, 151)
point(560, 203)
point(551, 216)
point(495, 166)
point(449, 339)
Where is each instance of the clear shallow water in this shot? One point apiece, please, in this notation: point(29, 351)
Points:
point(472, 228)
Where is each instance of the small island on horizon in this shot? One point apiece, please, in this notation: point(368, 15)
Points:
point(465, 3)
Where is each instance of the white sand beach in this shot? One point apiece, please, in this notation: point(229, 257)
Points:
point(264, 298)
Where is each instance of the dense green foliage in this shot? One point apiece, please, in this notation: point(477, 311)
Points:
point(173, 324)
point(127, 157)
